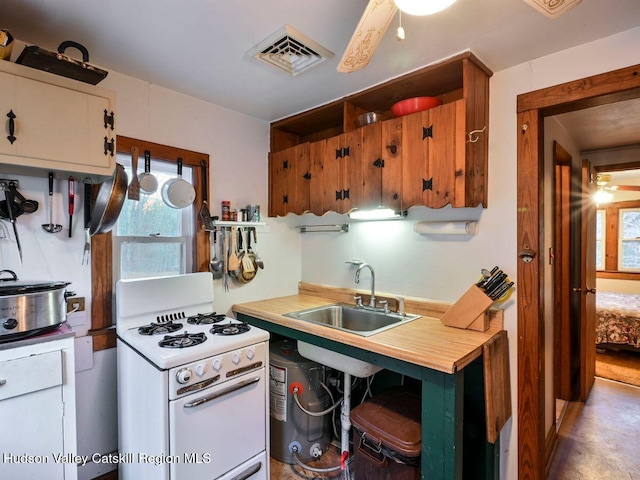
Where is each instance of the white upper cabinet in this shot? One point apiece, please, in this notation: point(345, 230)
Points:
point(54, 123)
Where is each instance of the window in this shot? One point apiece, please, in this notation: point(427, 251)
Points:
point(150, 238)
point(102, 254)
point(600, 239)
point(629, 239)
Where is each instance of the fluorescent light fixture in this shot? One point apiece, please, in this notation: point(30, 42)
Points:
point(602, 196)
point(380, 213)
point(422, 7)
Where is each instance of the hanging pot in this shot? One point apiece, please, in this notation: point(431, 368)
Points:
point(177, 192)
point(109, 202)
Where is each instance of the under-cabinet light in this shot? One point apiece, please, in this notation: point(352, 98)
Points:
point(379, 213)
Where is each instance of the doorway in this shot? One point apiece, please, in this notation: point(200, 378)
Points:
point(532, 108)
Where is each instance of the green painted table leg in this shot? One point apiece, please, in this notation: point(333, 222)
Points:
point(442, 415)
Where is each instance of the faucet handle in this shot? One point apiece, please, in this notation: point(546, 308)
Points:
point(358, 300)
point(400, 301)
point(384, 304)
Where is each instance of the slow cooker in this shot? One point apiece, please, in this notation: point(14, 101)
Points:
point(29, 308)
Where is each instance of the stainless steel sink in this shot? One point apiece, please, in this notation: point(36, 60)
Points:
point(352, 319)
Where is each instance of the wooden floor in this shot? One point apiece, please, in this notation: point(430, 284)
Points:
point(599, 439)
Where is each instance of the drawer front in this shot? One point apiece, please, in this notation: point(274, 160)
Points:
point(30, 374)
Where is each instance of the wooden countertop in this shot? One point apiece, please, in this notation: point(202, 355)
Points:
point(424, 341)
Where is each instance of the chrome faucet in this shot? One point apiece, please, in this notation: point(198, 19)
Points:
point(372, 300)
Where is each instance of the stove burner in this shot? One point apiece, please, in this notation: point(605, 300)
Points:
point(230, 329)
point(206, 318)
point(183, 341)
point(159, 328)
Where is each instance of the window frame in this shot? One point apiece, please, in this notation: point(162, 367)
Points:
point(102, 300)
point(603, 239)
point(612, 243)
point(621, 239)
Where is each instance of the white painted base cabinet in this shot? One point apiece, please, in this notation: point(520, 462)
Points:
point(55, 123)
point(37, 412)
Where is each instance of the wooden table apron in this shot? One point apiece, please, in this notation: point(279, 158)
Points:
point(443, 406)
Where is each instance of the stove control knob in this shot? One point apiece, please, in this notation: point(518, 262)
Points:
point(200, 369)
point(235, 357)
point(183, 376)
point(251, 352)
point(216, 364)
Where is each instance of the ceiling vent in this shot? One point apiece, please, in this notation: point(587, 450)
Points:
point(290, 51)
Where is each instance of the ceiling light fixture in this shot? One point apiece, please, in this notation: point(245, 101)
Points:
point(422, 7)
point(602, 196)
point(380, 213)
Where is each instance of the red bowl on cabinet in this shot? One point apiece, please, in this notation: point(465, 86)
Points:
point(414, 105)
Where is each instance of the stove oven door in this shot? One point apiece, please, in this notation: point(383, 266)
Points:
point(215, 430)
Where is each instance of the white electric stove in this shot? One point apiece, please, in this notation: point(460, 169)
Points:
point(192, 388)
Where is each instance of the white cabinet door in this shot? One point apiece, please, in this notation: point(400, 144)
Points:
point(7, 103)
point(31, 415)
point(60, 125)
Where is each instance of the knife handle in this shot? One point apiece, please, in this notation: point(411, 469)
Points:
point(71, 194)
point(87, 203)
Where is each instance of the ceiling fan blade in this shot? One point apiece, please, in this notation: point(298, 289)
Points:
point(626, 188)
point(370, 30)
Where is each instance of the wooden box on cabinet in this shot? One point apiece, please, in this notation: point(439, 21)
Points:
point(389, 156)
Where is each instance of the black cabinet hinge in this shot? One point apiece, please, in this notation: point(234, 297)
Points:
point(427, 132)
point(109, 119)
point(427, 184)
point(342, 152)
point(109, 146)
point(379, 163)
point(307, 176)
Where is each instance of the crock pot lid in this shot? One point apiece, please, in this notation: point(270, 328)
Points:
point(21, 287)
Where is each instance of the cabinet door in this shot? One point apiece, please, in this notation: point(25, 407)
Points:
point(315, 178)
point(288, 186)
point(342, 172)
point(433, 157)
point(392, 164)
point(61, 125)
point(372, 166)
point(31, 415)
point(7, 104)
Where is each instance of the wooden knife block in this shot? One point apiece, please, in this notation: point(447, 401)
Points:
point(470, 311)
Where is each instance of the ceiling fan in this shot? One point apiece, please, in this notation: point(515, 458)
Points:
point(378, 15)
point(603, 180)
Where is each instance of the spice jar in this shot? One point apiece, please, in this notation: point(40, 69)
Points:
point(234, 216)
point(226, 210)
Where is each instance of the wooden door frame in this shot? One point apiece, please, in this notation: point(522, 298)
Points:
point(618, 85)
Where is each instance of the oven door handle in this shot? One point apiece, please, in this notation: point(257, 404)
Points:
point(213, 396)
point(252, 470)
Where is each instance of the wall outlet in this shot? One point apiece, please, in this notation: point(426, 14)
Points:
point(75, 304)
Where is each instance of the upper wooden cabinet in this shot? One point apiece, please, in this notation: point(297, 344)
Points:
point(431, 158)
point(53, 123)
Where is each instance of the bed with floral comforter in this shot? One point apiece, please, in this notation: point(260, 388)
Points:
point(618, 319)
